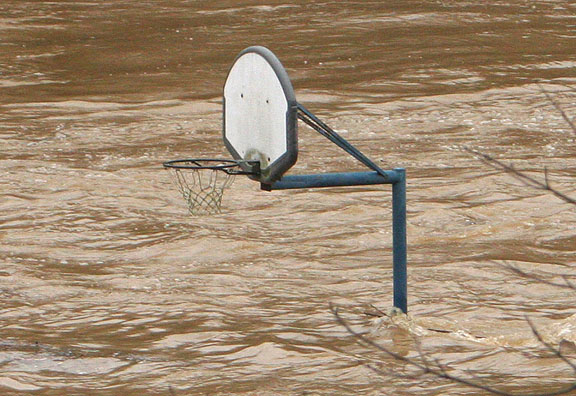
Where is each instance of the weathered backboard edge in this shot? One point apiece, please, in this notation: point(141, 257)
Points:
point(274, 171)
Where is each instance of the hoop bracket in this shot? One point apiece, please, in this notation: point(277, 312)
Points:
point(231, 167)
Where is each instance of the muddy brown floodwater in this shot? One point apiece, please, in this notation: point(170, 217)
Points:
point(109, 287)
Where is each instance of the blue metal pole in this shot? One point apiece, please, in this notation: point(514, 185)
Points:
point(399, 245)
point(397, 178)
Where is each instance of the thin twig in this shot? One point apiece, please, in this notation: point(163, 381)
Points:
point(554, 351)
point(558, 107)
point(378, 310)
point(569, 282)
point(518, 271)
point(527, 180)
point(421, 354)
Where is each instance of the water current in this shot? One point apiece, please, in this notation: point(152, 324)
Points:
point(108, 285)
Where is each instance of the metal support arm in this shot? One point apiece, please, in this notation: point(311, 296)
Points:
point(397, 178)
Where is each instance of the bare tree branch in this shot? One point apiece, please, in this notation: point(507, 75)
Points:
point(554, 351)
point(567, 285)
point(441, 370)
point(438, 372)
point(523, 177)
point(432, 365)
point(559, 108)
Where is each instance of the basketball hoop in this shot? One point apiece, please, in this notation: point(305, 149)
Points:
point(202, 181)
point(260, 130)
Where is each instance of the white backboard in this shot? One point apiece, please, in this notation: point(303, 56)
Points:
point(260, 113)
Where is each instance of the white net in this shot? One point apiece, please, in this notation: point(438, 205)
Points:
point(202, 189)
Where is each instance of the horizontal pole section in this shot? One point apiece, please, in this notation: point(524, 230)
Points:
point(334, 180)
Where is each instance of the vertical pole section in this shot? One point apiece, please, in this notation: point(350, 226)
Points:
point(399, 241)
